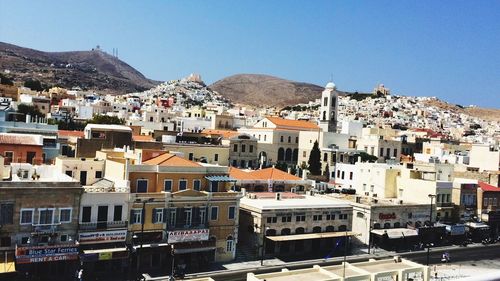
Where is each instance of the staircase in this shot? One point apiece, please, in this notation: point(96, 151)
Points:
point(245, 252)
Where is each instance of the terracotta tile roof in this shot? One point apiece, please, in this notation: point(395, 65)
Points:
point(292, 124)
point(264, 174)
point(488, 187)
point(21, 139)
point(142, 138)
point(171, 160)
point(66, 133)
point(240, 174)
point(226, 134)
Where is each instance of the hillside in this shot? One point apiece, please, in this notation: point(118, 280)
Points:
point(92, 69)
point(489, 114)
point(257, 89)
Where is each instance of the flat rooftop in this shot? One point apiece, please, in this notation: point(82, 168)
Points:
point(385, 265)
point(293, 203)
point(312, 274)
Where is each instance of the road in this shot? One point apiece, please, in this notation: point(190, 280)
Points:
point(458, 254)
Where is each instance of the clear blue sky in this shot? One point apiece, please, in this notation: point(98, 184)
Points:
point(448, 49)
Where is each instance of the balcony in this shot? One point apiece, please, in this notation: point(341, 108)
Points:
point(45, 228)
point(444, 205)
point(103, 225)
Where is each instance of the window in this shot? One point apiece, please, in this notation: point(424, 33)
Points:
point(304, 154)
point(342, 216)
point(448, 198)
point(214, 186)
point(203, 216)
point(281, 139)
point(197, 185)
point(235, 148)
point(167, 185)
point(395, 152)
point(235, 163)
point(216, 157)
point(172, 216)
point(86, 213)
point(214, 213)
point(381, 152)
point(142, 186)
point(388, 154)
point(229, 245)
point(9, 155)
point(64, 238)
point(286, 219)
point(232, 212)
point(265, 137)
point(343, 174)
point(250, 149)
point(350, 175)
point(182, 184)
point(26, 216)
point(289, 139)
point(69, 173)
point(243, 148)
point(494, 201)
point(5, 241)
point(317, 217)
point(296, 139)
point(65, 215)
point(117, 215)
point(24, 240)
point(325, 101)
point(46, 216)
point(136, 216)
point(191, 156)
point(157, 215)
point(330, 217)
point(188, 216)
point(300, 218)
point(98, 174)
point(272, 219)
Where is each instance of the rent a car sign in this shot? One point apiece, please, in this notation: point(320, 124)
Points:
point(46, 254)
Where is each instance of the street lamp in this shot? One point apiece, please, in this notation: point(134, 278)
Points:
point(431, 196)
point(143, 216)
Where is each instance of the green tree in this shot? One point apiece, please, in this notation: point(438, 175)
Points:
point(28, 110)
point(365, 157)
point(326, 173)
point(4, 80)
point(35, 85)
point(105, 119)
point(315, 160)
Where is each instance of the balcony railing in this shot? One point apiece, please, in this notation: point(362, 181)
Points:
point(46, 227)
point(103, 225)
point(441, 204)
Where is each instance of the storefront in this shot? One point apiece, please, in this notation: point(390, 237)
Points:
point(477, 231)
point(395, 239)
point(493, 221)
point(104, 253)
point(58, 262)
point(192, 248)
point(455, 234)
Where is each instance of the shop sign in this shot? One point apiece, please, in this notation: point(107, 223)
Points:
point(105, 256)
point(383, 216)
point(26, 255)
point(179, 236)
point(102, 237)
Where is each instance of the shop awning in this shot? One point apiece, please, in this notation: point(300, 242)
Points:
point(395, 233)
point(311, 236)
point(193, 250)
point(109, 250)
point(6, 267)
point(151, 245)
point(220, 178)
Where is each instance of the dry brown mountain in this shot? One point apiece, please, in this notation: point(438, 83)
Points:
point(93, 69)
point(257, 89)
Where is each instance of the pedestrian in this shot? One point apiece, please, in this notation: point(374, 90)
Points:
point(80, 275)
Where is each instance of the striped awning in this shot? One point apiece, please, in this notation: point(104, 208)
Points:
point(220, 178)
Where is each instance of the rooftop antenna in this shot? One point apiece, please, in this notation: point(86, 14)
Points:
point(116, 55)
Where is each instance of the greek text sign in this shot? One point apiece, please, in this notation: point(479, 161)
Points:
point(179, 236)
point(102, 237)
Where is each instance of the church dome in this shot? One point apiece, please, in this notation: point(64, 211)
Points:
point(330, 85)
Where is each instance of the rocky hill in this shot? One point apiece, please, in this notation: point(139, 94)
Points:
point(257, 89)
point(94, 69)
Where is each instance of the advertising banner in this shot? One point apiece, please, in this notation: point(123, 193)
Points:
point(102, 237)
point(26, 255)
point(179, 236)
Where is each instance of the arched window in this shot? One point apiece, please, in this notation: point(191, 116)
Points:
point(289, 139)
point(397, 225)
point(230, 244)
point(281, 154)
point(288, 155)
point(279, 188)
point(324, 115)
point(285, 231)
point(295, 155)
point(387, 225)
point(299, 230)
point(325, 156)
point(271, 232)
point(281, 139)
point(317, 229)
point(376, 225)
point(343, 227)
point(330, 228)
